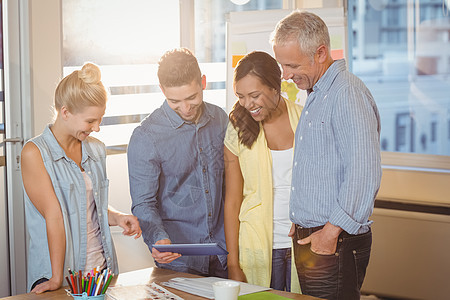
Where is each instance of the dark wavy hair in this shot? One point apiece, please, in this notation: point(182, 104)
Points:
point(266, 69)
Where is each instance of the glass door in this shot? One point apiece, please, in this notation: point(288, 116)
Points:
point(12, 223)
point(4, 254)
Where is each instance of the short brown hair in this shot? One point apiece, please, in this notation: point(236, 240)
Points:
point(178, 67)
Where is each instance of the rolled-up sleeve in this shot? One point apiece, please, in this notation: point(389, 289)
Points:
point(355, 123)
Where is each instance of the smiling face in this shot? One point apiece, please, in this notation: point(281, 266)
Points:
point(257, 98)
point(296, 65)
point(186, 100)
point(81, 124)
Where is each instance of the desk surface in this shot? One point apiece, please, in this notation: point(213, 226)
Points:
point(143, 276)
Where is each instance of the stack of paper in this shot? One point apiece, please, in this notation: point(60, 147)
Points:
point(147, 291)
point(203, 286)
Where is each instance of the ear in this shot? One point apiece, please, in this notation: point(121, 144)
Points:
point(322, 54)
point(64, 112)
point(162, 90)
point(203, 82)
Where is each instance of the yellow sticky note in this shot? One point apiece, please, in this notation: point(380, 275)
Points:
point(238, 47)
point(337, 54)
point(236, 59)
point(336, 41)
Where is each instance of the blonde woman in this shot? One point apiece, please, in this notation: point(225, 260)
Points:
point(66, 188)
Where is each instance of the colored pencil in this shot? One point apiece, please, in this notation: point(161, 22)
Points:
point(70, 285)
point(89, 285)
point(80, 282)
point(99, 280)
point(105, 287)
point(73, 283)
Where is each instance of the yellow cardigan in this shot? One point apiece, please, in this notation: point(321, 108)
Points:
point(256, 214)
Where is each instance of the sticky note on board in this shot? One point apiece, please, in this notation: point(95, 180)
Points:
point(238, 50)
point(337, 54)
point(236, 59)
point(238, 47)
point(336, 41)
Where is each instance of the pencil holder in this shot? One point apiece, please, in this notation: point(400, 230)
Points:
point(85, 296)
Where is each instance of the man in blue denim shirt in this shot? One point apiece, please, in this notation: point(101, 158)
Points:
point(337, 167)
point(175, 164)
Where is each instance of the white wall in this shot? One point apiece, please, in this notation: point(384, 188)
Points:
point(45, 59)
point(132, 254)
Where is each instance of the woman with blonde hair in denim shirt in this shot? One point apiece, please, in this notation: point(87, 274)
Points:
point(66, 188)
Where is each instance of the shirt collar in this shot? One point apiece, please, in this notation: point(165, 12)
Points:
point(324, 83)
point(176, 121)
point(57, 152)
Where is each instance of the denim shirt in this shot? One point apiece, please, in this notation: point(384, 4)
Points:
point(70, 189)
point(337, 165)
point(176, 175)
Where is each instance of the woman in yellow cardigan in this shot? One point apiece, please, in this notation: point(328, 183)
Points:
point(258, 162)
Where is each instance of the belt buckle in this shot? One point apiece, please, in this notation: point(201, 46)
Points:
point(302, 232)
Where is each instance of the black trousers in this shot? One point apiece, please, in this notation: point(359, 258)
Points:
point(338, 276)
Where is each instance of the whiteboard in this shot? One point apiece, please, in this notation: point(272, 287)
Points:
point(249, 31)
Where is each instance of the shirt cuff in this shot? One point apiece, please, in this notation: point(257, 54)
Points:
point(159, 235)
point(340, 218)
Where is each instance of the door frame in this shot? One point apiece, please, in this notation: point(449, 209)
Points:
point(15, 20)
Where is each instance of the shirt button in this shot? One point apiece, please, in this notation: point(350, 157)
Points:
point(99, 214)
point(293, 213)
point(206, 191)
point(201, 149)
point(204, 170)
point(109, 258)
point(103, 236)
point(306, 112)
point(89, 172)
point(301, 137)
point(293, 188)
point(309, 124)
point(295, 163)
point(96, 193)
point(209, 215)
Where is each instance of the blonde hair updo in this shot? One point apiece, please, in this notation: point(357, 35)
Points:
point(80, 89)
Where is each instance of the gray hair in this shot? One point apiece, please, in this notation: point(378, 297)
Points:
point(307, 28)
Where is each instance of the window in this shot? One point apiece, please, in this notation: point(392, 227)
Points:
point(448, 129)
point(210, 39)
point(403, 56)
point(126, 39)
point(433, 131)
point(404, 133)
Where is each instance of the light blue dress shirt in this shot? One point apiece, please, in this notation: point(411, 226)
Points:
point(337, 167)
point(176, 175)
point(70, 189)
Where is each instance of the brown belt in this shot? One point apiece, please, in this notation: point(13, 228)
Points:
point(302, 232)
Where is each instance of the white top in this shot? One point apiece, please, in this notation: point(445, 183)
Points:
point(281, 177)
point(94, 254)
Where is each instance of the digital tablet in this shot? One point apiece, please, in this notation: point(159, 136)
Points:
point(192, 249)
